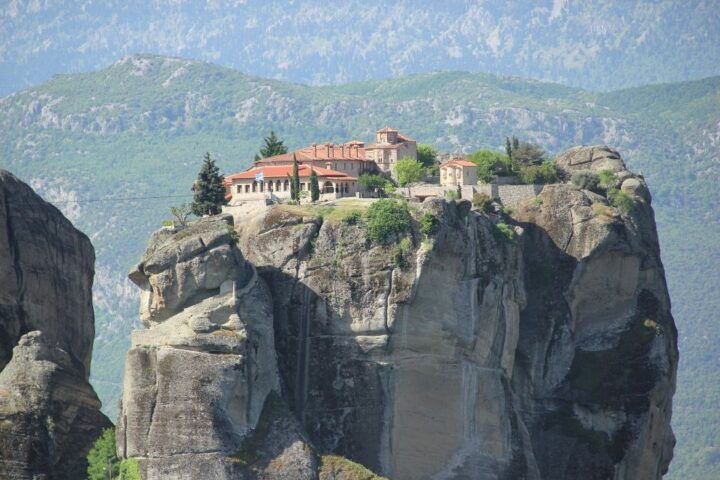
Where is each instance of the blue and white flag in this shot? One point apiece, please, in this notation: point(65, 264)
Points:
point(259, 177)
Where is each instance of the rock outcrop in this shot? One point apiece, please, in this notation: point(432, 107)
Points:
point(203, 376)
point(49, 413)
point(539, 349)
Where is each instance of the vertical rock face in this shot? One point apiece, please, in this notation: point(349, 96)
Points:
point(202, 376)
point(547, 353)
point(49, 413)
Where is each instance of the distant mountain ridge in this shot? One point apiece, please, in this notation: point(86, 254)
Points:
point(138, 129)
point(600, 44)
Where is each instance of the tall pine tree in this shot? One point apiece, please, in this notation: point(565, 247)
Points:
point(314, 186)
point(209, 189)
point(273, 146)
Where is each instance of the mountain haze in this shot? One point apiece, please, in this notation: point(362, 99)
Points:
point(598, 44)
point(115, 148)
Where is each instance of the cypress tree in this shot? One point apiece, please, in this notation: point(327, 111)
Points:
point(508, 148)
point(273, 146)
point(209, 189)
point(515, 143)
point(295, 180)
point(314, 186)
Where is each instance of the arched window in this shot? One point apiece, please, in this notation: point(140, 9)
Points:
point(286, 185)
point(254, 187)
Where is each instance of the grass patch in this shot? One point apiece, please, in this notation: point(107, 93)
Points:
point(335, 466)
point(336, 212)
point(621, 200)
point(603, 211)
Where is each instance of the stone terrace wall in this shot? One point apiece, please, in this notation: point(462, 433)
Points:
point(510, 195)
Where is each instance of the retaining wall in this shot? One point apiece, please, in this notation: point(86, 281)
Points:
point(510, 195)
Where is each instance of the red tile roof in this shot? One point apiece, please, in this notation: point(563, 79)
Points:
point(345, 152)
point(282, 171)
point(457, 163)
point(387, 130)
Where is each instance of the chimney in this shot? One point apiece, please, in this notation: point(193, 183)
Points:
point(314, 145)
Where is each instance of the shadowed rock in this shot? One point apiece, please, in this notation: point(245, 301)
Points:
point(49, 413)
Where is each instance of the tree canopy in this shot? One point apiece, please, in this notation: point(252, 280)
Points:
point(373, 182)
point(273, 146)
point(102, 460)
point(209, 189)
point(490, 163)
point(527, 153)
point(426, 155)
point(407, 171)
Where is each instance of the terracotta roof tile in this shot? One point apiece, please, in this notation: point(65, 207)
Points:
point(320, 152)
point(282, 171)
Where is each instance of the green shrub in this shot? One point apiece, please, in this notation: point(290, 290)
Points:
point(234, 237)
point(351, 218)
point(452, 195)
point(102, 460)
point(167, 223)
point(546, 172)
point(400, 251)
point(482, 202)
point(508, 210)
point(621, 200)
point(586, 179)
point(429, 223)
point(504, 232)
point(129, 470)
point(607, 179)
point(386, 217)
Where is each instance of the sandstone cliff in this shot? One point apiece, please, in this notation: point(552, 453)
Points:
point(547, 352)
point(49, 413)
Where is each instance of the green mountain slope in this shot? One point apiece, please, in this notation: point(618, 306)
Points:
point(115, 148)
point(597, 44)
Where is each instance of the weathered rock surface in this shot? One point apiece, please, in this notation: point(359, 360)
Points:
point(549, 355)
point(49, 413)
point(198, 379)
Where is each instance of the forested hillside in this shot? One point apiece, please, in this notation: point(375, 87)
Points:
point(116, 148)
point(597, 44)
